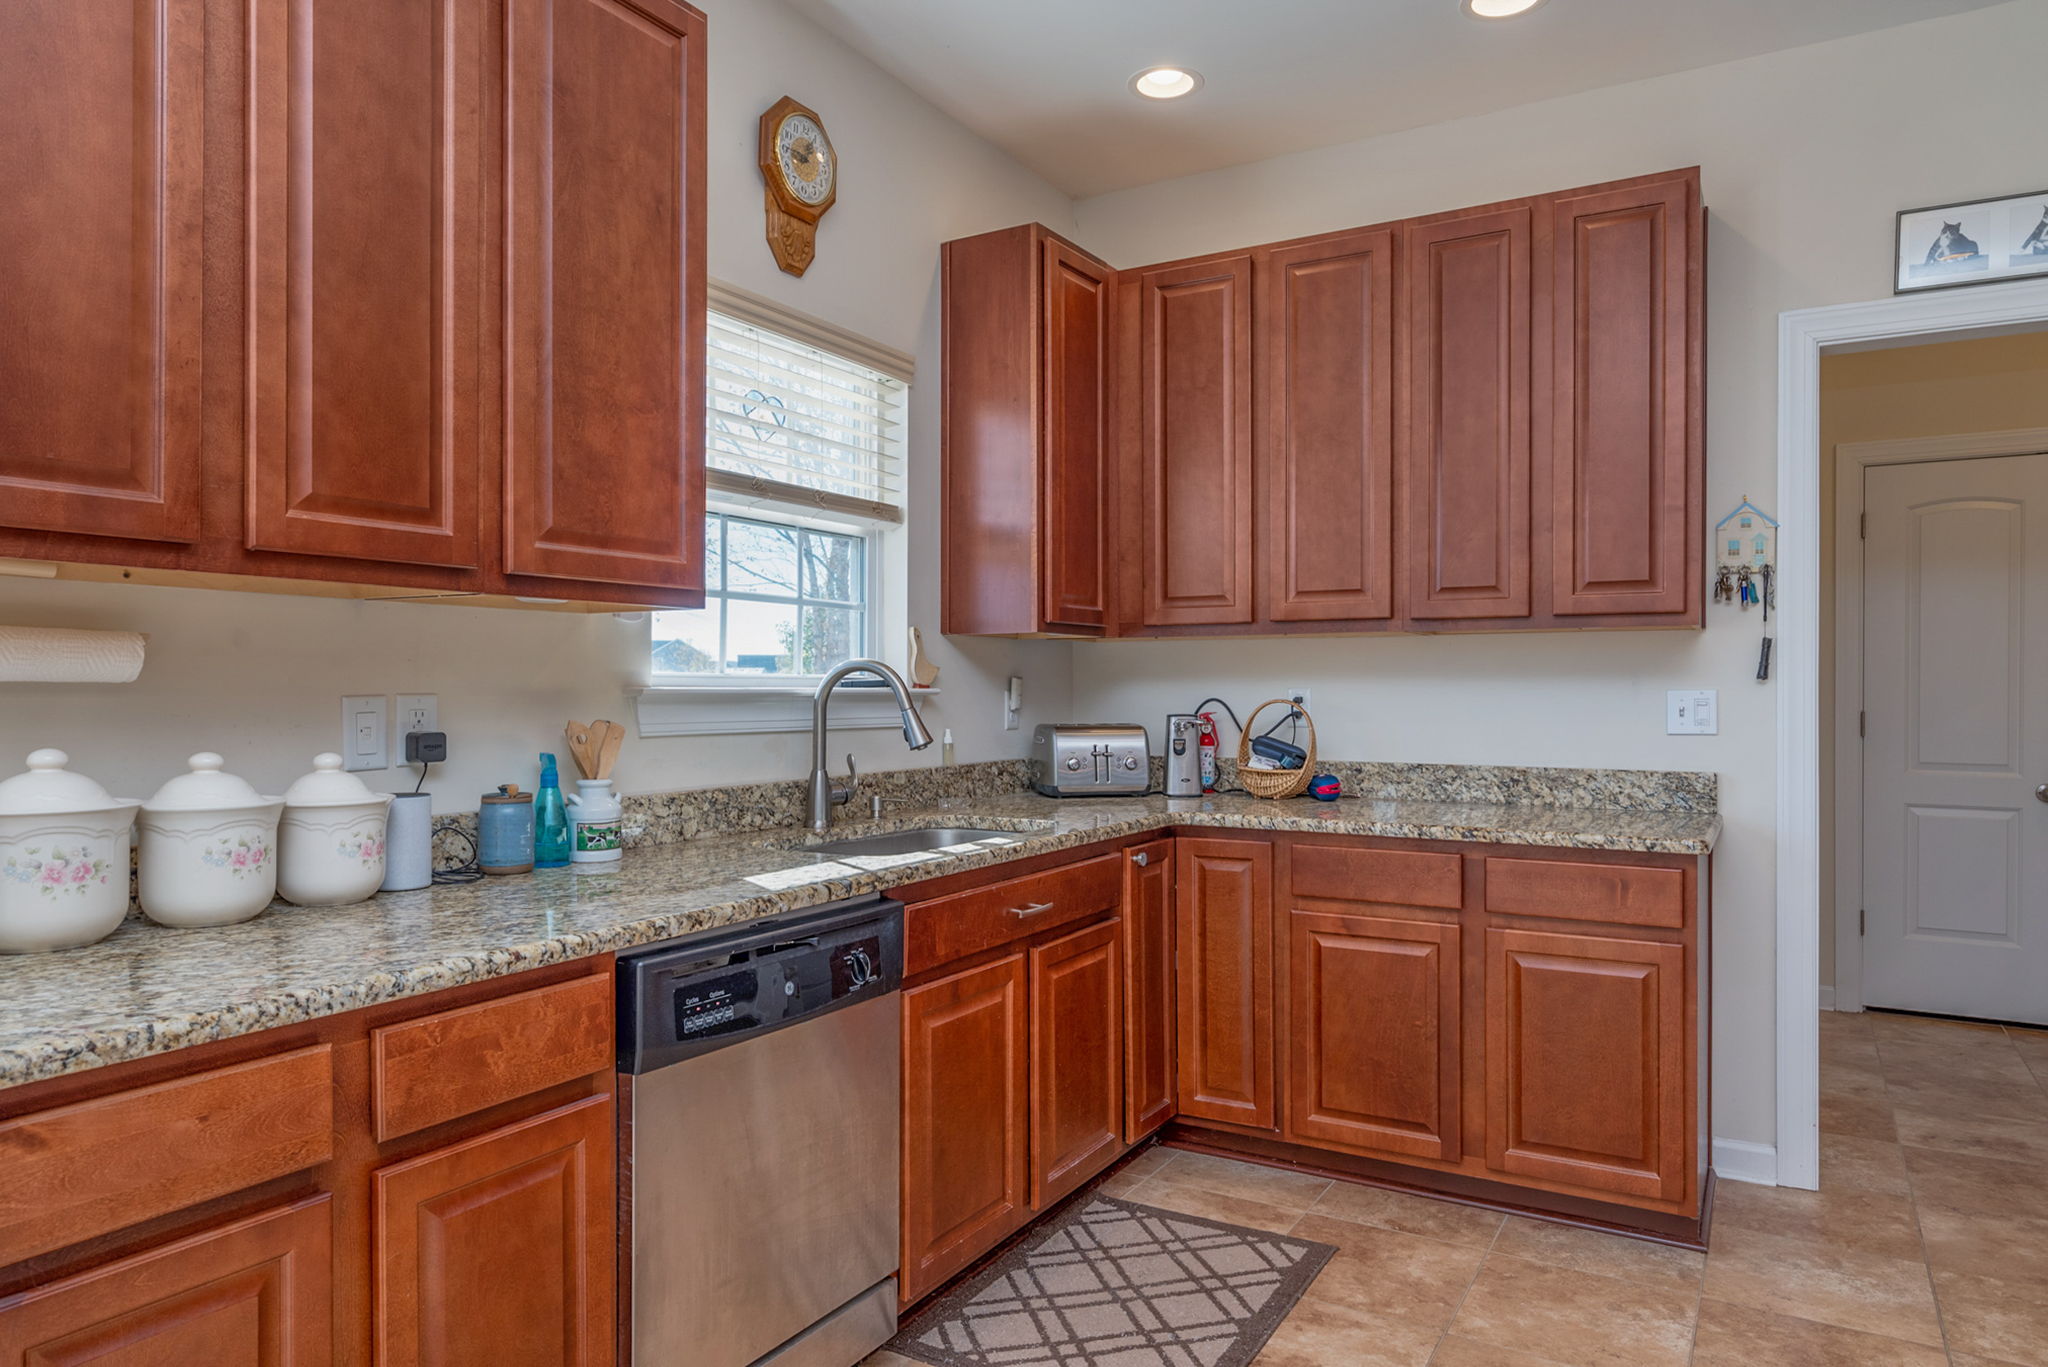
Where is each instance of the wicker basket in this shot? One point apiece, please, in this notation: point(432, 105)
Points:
point(1275, 782)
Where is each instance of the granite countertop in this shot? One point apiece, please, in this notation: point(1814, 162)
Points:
point(147, 990)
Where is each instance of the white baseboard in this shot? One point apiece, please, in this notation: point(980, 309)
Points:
point(1827, 997)
point(1739, 1160)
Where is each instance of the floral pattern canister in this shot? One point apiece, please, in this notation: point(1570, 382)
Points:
point(63, 858)
point(209, 848)
point(332, 837)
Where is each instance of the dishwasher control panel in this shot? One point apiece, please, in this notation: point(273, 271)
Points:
point(692, 996)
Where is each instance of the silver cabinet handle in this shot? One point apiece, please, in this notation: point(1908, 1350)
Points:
point(1141, 858)
point(2042, 792)
point(1034, 909)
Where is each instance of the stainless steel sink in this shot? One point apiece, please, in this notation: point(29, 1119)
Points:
point(910, 842)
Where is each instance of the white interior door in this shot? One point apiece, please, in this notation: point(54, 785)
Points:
point(1955, 835)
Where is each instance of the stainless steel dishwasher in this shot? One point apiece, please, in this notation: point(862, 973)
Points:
point(761, 1068)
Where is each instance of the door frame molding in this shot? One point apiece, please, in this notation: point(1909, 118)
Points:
point(1802, 336)
point(1852, 460)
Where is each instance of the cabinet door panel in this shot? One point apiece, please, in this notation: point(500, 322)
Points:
point(966, 1123)
point(253, 1293)
point(1148, 989)
point(1373, 1027)
point(365, 241)
point(604, 336)
point(1077, 1078)
point(1466, 465)
point(1224, 943)
point(1325, 318)
point(1077, 474)
point(1621, 454)
point(1196, 386)
point(100, 250)
point(1586, 1043)
point(501, 1249)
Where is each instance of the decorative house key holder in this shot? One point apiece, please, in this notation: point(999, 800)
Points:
point(1745, 570)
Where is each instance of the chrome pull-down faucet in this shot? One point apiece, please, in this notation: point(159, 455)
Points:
point(824, 795)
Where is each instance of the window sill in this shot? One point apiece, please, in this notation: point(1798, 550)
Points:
point(758, 709)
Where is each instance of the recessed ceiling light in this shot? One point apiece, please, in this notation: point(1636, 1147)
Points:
point(1498, 9)
point(1172, 82)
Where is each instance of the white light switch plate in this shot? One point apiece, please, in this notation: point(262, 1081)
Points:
point(1692, 712)
point(363, 733)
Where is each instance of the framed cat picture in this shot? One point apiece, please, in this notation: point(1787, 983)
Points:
point(1980, 242)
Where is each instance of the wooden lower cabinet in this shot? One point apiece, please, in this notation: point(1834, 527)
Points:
point(1148, 989)
point(966, 1118)
point(1374, 1046)
point(1223, 946)
point(1587, 1038)
point(252, 1293)
point(308, 1195)
point(1077, 1075)
point(500, 1250)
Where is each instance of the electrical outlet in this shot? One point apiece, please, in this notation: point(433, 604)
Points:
point(1013, 702)
point(1298, 695)
point(418, 712)
point(362, 733)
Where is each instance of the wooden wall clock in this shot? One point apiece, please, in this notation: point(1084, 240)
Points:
point(802, 172)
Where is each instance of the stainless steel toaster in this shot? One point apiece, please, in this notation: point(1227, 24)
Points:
point(1077, 759)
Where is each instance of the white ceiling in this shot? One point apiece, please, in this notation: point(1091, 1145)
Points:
point(1048, 80)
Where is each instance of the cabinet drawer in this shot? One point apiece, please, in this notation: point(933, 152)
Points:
point(456, 1063)
point(949, 928)
point(1405, 878)
point(78, 1171)
point(1620, 894)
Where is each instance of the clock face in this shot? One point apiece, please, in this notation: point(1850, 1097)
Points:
point(804, 156)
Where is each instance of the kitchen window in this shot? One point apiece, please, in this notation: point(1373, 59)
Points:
point(782, 601)
point(804, 442)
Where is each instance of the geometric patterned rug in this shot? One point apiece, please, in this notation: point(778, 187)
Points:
point(1112, 1284)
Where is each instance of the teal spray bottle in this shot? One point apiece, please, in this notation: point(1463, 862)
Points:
point(550, 820)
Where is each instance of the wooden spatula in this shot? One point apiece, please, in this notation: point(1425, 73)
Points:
point(584, 743)
point(608, 736)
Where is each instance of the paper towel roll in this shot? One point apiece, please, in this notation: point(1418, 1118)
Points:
point(61, 655)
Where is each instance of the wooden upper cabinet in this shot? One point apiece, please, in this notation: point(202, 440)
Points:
point(1077, 478)
point(1077, 1076)
point(100, 269)
point(256, 1292)
point(1325, 331)
point(966, 1118)
point(1588, 1039)
point(1625, 522)
point(1466, 463)
point(365, 240)
point(604, 291)
point(1375, 1054)
point(1223, 941)
point(1148, 915)
point(500, 1249)
point(1029, 483)
point(1194, 392)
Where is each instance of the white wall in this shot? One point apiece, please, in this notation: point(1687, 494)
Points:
point(260, 677)
point(1806, 154)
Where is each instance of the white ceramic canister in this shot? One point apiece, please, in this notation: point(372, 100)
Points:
point(63, 858)
point(331, 841)
point(594, 820)
point(209, 848)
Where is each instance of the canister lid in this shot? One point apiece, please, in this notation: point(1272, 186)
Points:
point(206, 789)
point(49, 787)
point(329, 786)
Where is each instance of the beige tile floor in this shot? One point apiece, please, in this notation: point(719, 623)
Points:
point(1927, 1244)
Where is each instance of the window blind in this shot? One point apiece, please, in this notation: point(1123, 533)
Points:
point(800, 425)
